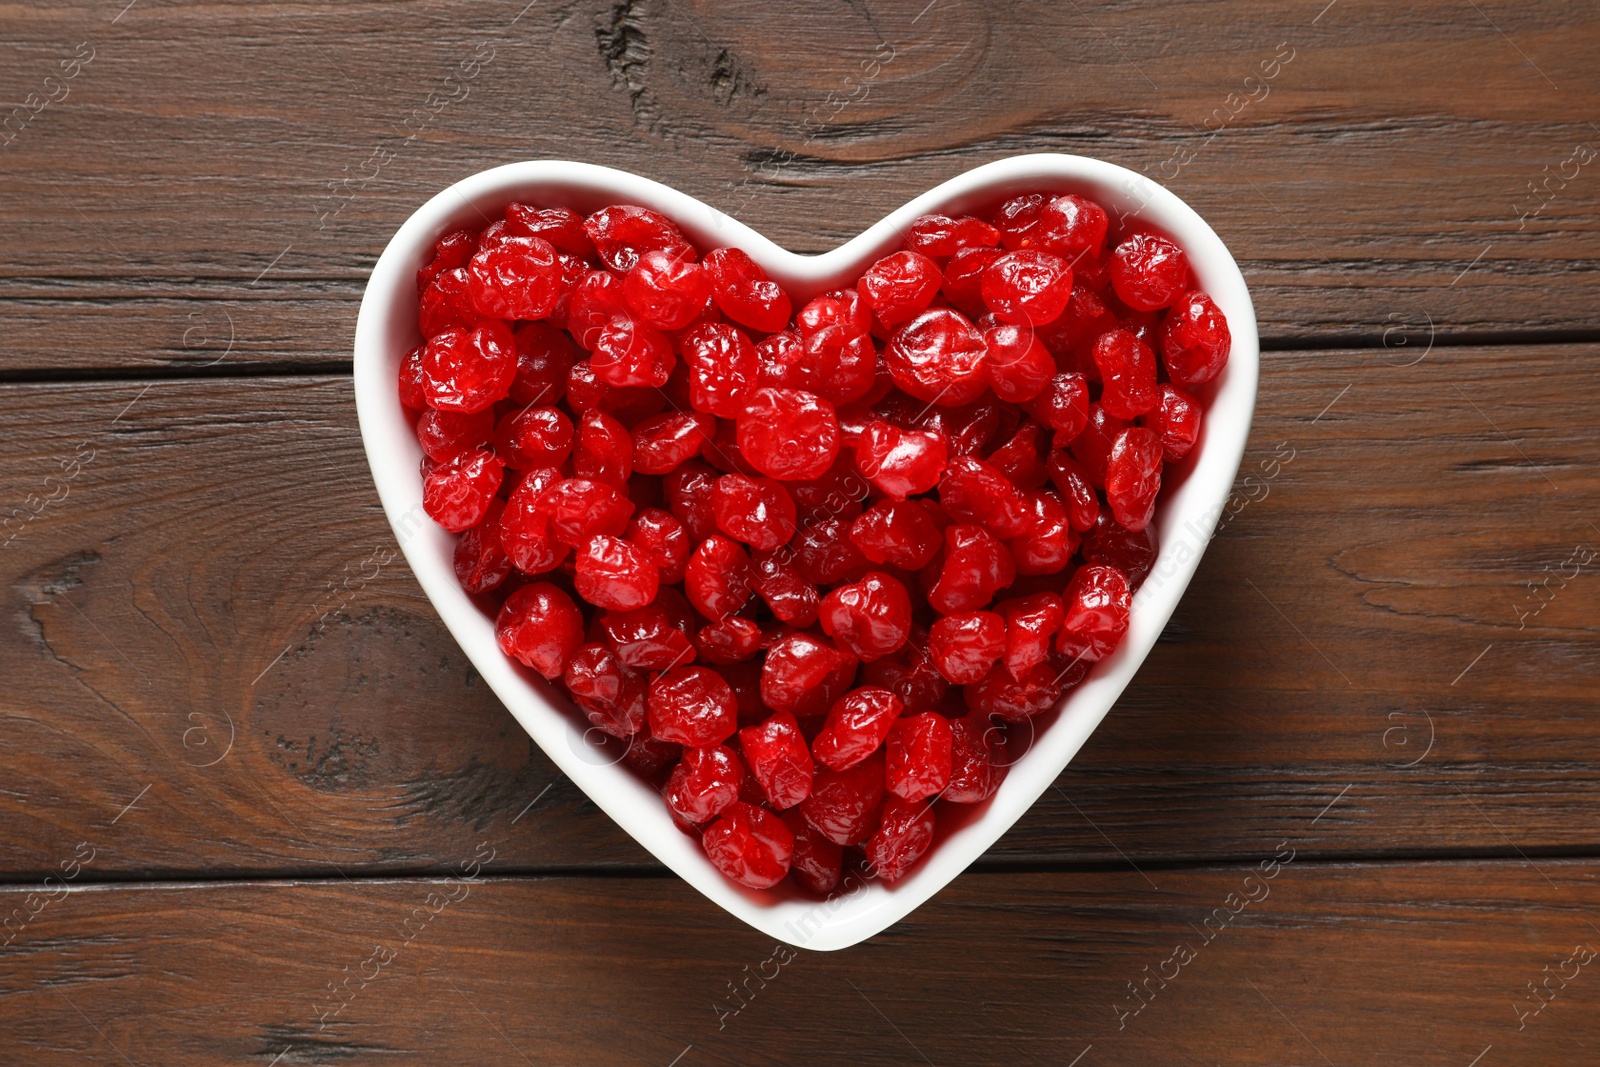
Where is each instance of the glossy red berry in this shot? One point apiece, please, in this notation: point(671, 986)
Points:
point(845, 806)
point(918, 756)
point(1133, 477)
point(688, 493)
point(545, 356)
point(869, 618)
point(733, 640)
point(975, 567)
point(856, 727)
point(1097, 601)
point(662, 540)
point(778, 757)
point(662, 443)
point(1194, 340)
point(515, 278)
point(613, 573)
point(622, 233)
point(1128, 374)
point(479, 560)
point(603, 450)
point(1018, 366)
point(805, 674)
point(750, 845)
point(897, 532)
point(900, 286)
point(717, 579)
point(563, 228)
point(757, 511)
point(975, 768)
point(444, 435)
point(1017, 218)
point(452, 250)
point(540, 627)
point(647, 638)
point(1148, 272)
point(1063, 406)
point(1077, 491)
point(973, 491)
point(788, 593)
point(963, 279)
point(1050, 541)
point(525, 526)
point(1027, 287)
point(1031, 622)
point(666, 290)
point(596, 300)
point(1131, 552)
point(901, 462)
point(1021, 459)
point(693, 706)
point(938, 357)
point(1176, 421)
point(965, 645)
point(825, 554)
point(445, 304)
point(468, 370)
point(1071, 227)
point(904, 833)
point(1018, 699)
point(629, 352)
point(789, 434)
point(723, 369)
point(457, 493)
point(609, 693)
point(413, 394)
point(744, 292)
point(705, 783)
point(1092, 447)
point(533, 437)
point(817, 862)
point(940, 235)
point(579, 508)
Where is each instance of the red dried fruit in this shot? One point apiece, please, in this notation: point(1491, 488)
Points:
point(540, 627)
point(844, 806)
point(900, 462)
point(457, 493)
point(744, 292)
point(622, 233)
point(975, 567)
point(963, 279)
point(1194, 340)
point(972, 491)
point(778, 757)
point(1049, 545)
point(646, 638)
point(561, 227)
point(545, 356)
point(445, 304)
point(900, 286)
point(444, 435)
point(903, 835)
point(938, 357)
point(1133, 477)
point(940, 235)
point(788, 593)
point(965, 645)
point(514, 278)
point(532, 437)
point(856, 727)
point(468, 370)
point(1070, 226)
point(1027, 287)
point(918, 756)
point(804, 674)
point(825, 554)
point(1020, 459)
point(1148, 272)
point(757, 511)
point(733, 640)
point(1131, 552)
point(704, 784)
point(1128, 373)
point(1097, 602)
point(688, 493)
point(413, 394)
point(789, 434)
point(452, 250)
point(666, 290)
point(1018, 366)
point(1092, 447)
point(693, 706)
point(1063, 406)
point(579, 509)
point(480, 562)
point(897, 532)
point(1017, 217)
point(1077, 492)
point(613, 573)
point(662, 540)
point(750, 845)
point(869, 618)
point(662, 443)
point(610, 695)
point(1030, 623)
point(596, 300)
point(1176, 421)
point(723, 369)
point(628, 352)
point(717, 579)
point(817, 862)
point(975, 769)
point(1017, 699)
point(525, 526)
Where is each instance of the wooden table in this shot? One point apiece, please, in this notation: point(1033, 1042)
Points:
point(241, 756)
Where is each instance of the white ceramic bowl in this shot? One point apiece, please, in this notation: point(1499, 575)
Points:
point(387, 329)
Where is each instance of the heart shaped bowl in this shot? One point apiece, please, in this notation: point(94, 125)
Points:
point(1191, 503)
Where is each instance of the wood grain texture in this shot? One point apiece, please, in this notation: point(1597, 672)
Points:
point(246, 153)
point(1421, 965)
point(219, 569)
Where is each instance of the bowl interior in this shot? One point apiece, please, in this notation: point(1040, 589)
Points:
point(1192, 500)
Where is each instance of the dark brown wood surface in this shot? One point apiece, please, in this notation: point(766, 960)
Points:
point(228, 699)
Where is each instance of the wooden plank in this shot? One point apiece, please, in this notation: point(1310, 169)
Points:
point(1382, 180)
point(1431, 965)
point(1362, 634)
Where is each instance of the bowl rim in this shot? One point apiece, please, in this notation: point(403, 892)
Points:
point(1186, 517)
